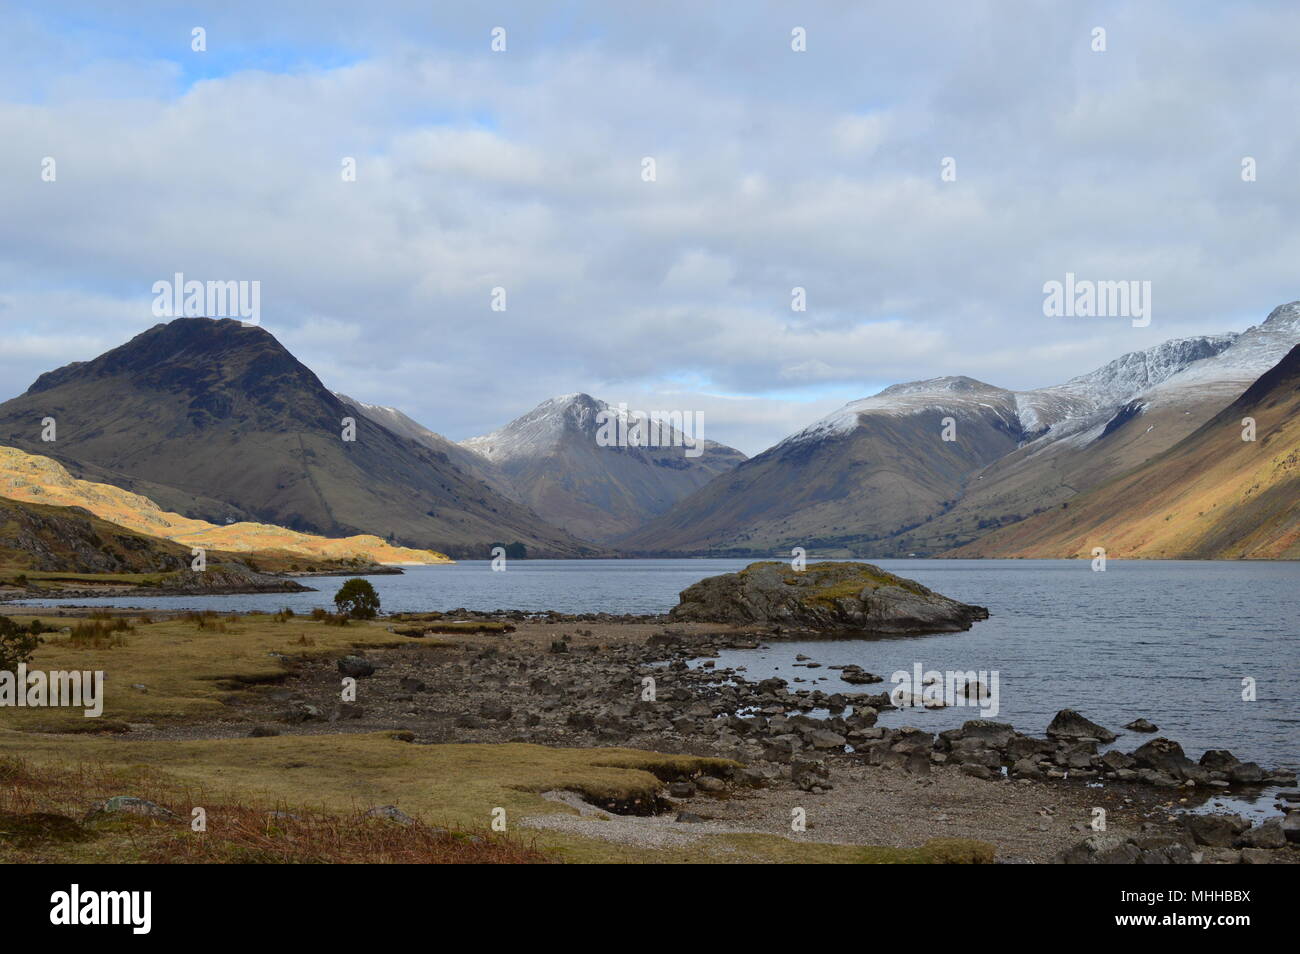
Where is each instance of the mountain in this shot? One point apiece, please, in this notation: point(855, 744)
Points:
point(40, 480)
point(1212, 495)
point(873, 479)
point(217, 421)
point(551, 460)
point(465, 461)
point(871, 470)
point(1138, 406)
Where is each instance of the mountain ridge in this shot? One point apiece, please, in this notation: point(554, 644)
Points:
point(879, 496)
point(217, 420)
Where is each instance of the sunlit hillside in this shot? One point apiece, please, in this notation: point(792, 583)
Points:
point(36, 479)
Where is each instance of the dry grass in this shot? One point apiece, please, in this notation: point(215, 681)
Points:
point(187, 665)
point(457, 786)
point(43, 819)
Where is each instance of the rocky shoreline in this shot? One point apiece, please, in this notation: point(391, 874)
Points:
point(651, 682)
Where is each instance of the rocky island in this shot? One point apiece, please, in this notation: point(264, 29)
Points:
point(829, 598)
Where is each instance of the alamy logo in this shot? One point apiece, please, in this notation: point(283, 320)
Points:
point(1082, 298)
point(935, 689)
point(72, 907)
point(179, 298)
point(56, 689)
point(619, 427)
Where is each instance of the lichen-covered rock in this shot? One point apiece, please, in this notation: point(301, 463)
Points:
point(831, 597)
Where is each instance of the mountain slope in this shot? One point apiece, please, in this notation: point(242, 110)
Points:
point(218, 421)
point(870, 480)
point(35, 479)
point(550, 460)
point(1210, 496)
point(1176, 387)
point(463, 460)
point(862, 474)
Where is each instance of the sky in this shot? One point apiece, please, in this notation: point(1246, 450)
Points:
point(523, 169)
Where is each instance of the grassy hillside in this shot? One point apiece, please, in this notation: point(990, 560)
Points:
point(37, 479)
point(1210, 496)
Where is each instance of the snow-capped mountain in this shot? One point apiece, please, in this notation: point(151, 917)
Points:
point(540, 430)
point(554, 462)
point(946, 395)
point(875, 477)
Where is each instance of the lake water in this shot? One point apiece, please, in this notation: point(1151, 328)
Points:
point(1169, 641)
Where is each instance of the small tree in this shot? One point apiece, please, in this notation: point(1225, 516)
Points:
point(357, 599)
point(16, 644)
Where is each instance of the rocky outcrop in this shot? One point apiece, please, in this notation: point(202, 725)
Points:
point(846, 598)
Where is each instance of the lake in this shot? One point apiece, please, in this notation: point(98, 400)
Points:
point(1169, 641)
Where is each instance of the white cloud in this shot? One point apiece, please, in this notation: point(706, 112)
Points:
point(775, 169)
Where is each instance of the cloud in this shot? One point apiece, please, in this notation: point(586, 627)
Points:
point(522, 170)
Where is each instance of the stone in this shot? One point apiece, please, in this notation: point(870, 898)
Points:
point(1267, 834)
point(356, 666)
point(1164, 756)
point(1215, 831)
point(1246, 773)
point(1101, 849)
point(131, 805)
point(1218, 760)
point(1142, 725)
point(1068, 724)
point(390, 813)
point(1258, 856)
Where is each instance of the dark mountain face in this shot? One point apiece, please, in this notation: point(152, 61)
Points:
point(217, 420)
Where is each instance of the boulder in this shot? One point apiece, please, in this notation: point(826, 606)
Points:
point(1068, 724)
point(1164, 756)
point(1267, 834)
point(131, 805)
point(1101, 849)
point(1215, 831)
point(1142, 725)
point(854, 598)
point(356, 666)
point(1219, 760)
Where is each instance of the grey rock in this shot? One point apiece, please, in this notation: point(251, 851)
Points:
point(1215, 831)
point(1142, 725)
point(1068, 724)
point(391, 813)
point(356, 666)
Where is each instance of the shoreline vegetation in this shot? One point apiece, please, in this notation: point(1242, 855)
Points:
point(513, 736)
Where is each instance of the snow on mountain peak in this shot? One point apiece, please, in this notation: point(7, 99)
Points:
point(540, 429)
